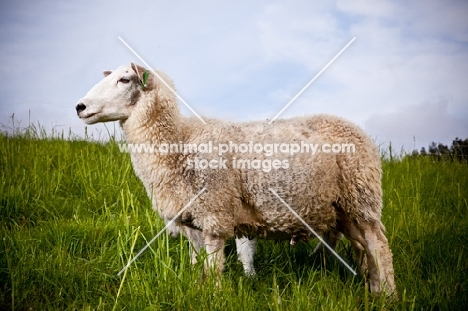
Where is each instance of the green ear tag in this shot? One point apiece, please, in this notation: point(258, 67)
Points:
point(145, 78)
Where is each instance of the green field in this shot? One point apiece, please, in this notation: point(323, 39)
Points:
point(72, 214)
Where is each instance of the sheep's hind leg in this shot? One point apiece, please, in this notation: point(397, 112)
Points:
point(332, 238)
point(379, 259)
point(370, 237)
point(360, 254)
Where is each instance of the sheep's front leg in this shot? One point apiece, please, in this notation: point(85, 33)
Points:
point(245, 253)
point(173, 229)
point(196, 241)
point(214, 246)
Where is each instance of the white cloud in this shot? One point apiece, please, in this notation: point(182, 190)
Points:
point(368, 8)
point(303, 33)
point(389, 65)
point(443, 20)
point(416, 126)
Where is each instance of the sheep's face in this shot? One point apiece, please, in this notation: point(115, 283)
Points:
point(115, 97)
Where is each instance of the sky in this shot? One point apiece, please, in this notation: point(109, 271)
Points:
point(403, 79)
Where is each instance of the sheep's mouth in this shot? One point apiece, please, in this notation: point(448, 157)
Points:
point(89, 118)
point(88, 115)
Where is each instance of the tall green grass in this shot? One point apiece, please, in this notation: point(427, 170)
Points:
point(72, 214)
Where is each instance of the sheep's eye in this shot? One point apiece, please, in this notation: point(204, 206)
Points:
point(124, 80)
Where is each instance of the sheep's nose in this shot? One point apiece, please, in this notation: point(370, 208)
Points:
point(80, 107)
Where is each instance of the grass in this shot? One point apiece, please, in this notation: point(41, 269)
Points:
point(72, 214)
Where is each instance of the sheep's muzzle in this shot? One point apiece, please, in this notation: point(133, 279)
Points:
point(80, 107)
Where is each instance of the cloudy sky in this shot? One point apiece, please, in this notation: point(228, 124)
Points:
point(404, 78)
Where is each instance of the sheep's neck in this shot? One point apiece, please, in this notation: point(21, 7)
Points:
point(156, 122)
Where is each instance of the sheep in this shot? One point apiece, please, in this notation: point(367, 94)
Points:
point(336, 194)
point(246, 246)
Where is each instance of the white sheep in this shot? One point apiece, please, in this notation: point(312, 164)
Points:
point(334, 193)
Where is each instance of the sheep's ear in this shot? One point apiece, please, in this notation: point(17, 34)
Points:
point(145, 77)
point(106, 72)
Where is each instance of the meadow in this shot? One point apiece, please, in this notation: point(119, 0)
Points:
point(72, 214)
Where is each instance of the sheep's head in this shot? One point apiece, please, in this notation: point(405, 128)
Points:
point(115, 97)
